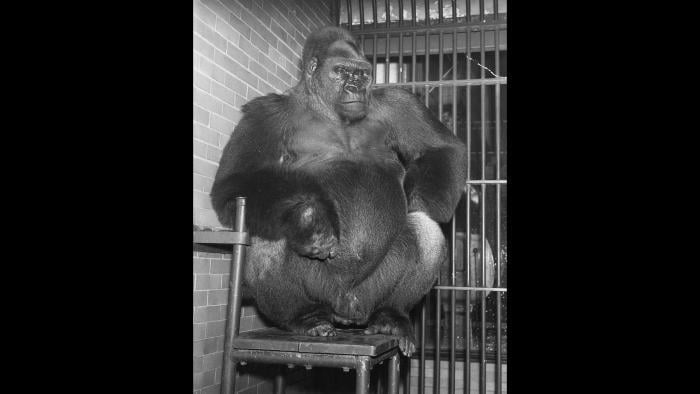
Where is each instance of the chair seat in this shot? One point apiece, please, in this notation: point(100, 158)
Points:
point(347, 341)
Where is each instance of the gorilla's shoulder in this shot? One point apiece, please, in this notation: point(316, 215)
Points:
point(268, 105)
point(392, 96)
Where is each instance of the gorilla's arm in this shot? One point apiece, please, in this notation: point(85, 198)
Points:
point(435, 159)
point(281, 202)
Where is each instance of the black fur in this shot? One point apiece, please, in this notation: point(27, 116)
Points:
point(332, 175)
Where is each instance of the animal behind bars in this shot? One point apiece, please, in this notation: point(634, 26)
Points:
point(345, 187)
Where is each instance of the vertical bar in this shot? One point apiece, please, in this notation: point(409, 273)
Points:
point(228, 379)
point(468, 54)
point(362, 14)
point(374, 13)
point(407, 374)
point(394, 374)
point(401, 78)
point(482, 375)
point(413, 58)
point(427, 67)
point(440, 16)
point(279, 382)
point(453, 300)
point(386, 59)
point(439, 298)
point(468, 296)
point(436, 362)
point(362, 378)
point(440, 69)
point(387, 20)
point(414, 22)
point(400, 12)
point(436, 356)
point(495, 17)
point(374, 56)
point(349, 13)
point(421, 383)
point(454, 20)
point(454, 87)
point(482, 15)
point(499, 368)
point(427, 15)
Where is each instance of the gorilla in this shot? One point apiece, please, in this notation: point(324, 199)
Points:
point(345, 186)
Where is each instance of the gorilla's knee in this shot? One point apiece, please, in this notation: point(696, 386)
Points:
point(262, 258)
point(432, 247)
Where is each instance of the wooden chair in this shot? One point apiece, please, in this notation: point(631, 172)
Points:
point(350, 349)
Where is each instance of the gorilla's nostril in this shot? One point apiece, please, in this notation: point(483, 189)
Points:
point(351, 88)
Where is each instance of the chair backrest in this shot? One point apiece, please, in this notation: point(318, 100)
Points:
point(221, 241)
point(234, 299)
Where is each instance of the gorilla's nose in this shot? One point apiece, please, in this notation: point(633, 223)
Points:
point(350, 88)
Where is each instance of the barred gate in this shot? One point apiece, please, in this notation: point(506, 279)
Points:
point(452, 54)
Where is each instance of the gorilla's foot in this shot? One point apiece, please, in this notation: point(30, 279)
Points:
point(321, 329)
point(391, 322)
point(316, 323)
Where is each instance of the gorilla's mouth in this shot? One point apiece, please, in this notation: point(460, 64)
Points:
point(354, 98)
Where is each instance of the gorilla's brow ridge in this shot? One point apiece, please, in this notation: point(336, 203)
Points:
point(344, 48)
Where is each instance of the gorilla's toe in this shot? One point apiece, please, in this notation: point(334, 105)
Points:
point(321, 329)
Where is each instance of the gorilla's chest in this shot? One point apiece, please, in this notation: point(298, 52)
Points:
point(364, 141)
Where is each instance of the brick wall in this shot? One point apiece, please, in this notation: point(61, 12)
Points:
point(241, 49)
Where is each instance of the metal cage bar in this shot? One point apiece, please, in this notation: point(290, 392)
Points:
point(386, 59)
point(361, 7)
point(467, 256)
point(427, 14)
point(482, 297)
point(453, 221)
point(374, 13)
point(499, 366)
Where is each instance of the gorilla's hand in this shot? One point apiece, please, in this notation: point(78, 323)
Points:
point(311, 232)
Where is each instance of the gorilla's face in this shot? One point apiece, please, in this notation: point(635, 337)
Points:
point(344, 80)
point(352, 79)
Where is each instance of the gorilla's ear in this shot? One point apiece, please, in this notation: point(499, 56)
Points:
point(311, 66)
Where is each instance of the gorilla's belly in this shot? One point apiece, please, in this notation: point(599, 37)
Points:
point(370, 201)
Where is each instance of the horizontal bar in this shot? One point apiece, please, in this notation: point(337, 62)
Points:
point(487, 181)
point(221, 237)
point(491, 25)
point(312, 359)
point(460, 355)
point(459, 82)
point(470, 288)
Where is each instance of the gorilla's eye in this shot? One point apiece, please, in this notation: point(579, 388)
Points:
point(340, 70)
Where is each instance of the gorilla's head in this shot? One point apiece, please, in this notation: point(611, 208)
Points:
point(337, 73)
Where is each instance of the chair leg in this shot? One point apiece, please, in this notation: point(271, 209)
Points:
point(394, 374)
point(362, 378)
point(279, 382)
point(228, 381)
